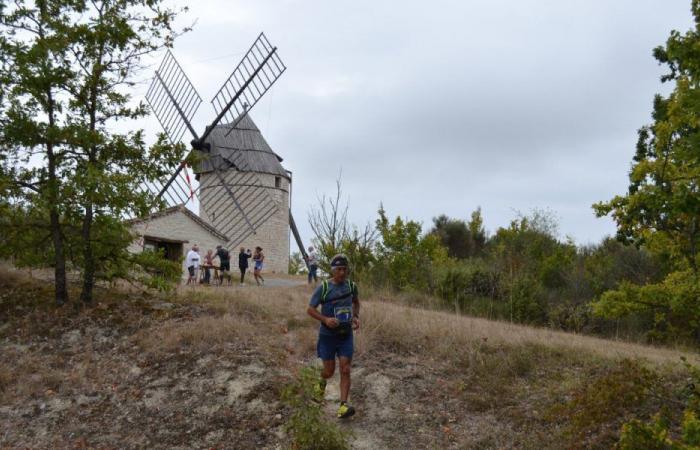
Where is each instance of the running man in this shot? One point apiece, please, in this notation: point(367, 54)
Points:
point(258, 257)
point(339, 316)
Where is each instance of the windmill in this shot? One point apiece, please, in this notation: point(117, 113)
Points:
point(235, 161)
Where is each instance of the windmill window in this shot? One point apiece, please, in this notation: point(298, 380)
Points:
point(278, 182)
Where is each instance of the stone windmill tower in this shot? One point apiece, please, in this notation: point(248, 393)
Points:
point(241, 165)
point(244, 190)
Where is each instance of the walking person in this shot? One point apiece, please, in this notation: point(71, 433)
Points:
point(339, 316)
point(208, 264)
point(243, 257)
point(258, 257)
point(192, 264)
point(312, 261)
point(224, 264)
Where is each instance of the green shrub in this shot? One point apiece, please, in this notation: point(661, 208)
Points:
point(569, 317)
point(598, 407)
point(526, 302)
point(660, 433)
point(309, 428)
point(461, 283)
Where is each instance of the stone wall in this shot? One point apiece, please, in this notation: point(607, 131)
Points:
point(177, 226)
point(273, 235)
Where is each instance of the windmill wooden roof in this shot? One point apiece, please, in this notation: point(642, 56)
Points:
point(244, 148)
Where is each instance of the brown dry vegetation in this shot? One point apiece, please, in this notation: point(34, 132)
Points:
point(205, 368)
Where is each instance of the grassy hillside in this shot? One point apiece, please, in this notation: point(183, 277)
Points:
point(207, 368)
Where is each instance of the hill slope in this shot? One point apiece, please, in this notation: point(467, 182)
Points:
point(206, 367)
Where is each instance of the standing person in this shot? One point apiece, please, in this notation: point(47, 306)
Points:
point(208, 264)
point(312, 261)
point(258, 257)
point(339, 316)
point(224, 264)
point(243, 262)
point(192, 263)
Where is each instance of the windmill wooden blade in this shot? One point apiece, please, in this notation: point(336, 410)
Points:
point(297, 238)
point(260, 67)
point(174, 101)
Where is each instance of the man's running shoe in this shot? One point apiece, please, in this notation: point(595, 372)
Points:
point(345, 411)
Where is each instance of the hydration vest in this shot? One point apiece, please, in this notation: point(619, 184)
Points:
point(324, 291)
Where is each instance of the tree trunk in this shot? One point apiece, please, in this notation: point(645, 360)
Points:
point(88, 257)
point(60, 282)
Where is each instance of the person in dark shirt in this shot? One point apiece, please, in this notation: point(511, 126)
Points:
point(243, 262)
point(339, 317)
point(224, 264)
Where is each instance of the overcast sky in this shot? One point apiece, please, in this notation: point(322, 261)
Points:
point(443, 106)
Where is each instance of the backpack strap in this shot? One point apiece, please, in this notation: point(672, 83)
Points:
point(324, 291)
point(353, 288)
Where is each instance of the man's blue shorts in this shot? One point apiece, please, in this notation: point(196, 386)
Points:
point(330, 346)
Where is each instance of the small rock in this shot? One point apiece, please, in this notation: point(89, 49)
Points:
point(163, 306)
point(71, 337)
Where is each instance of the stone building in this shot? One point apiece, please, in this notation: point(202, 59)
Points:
point(244, 195)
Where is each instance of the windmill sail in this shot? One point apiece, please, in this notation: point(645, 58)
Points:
point(260, 67)
point(174, 101)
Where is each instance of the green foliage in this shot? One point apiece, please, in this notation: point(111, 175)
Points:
point(309, 428)
point(526, 302)
point(296, 264)
point(67, 69)
point(660, 432)
point(463, 283)
point(148, 268)
point(596, 409)
point(359, 247)
point(462, 240)
point(406, 259)
point(673, 304)
point(610, 262)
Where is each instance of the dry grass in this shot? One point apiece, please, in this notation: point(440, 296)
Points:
point(454, 372)
point(200, 334)
point(443, 333)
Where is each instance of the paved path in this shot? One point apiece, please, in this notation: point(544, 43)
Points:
point(281, 282)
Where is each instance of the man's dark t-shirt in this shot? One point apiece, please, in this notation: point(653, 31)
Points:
point(243, 260)
point(338, 304)
point(223, 255)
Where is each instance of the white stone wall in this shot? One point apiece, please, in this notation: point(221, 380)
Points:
point(177, 226)
point(272, 235)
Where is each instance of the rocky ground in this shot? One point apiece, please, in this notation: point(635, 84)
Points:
point(205, 368)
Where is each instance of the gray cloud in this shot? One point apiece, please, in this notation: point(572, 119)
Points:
point(443, 106)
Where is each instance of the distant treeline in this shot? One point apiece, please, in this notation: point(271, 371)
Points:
point(522, 273)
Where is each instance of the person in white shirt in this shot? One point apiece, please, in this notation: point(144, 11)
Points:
point(192, 263)
point(312, 262)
